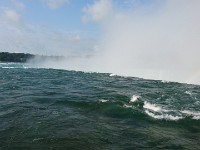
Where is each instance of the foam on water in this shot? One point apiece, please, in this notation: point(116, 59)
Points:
point(163, 116)
point(158, 112)
point(119, 75)
point(164, 81)
point(9, 67)
point(13, 65)
point(112, 74)
point(195, 115)
point(127, 106)
point(134, 98)
point(188, 92)
point(103, 100)
point(152, 107)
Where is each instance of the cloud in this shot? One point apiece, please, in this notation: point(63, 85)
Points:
point(97, 12)
point(17, 35)
point(11, 15)
point(42, 40)
point(18, 4)
point(55, 4)
point(29, 38)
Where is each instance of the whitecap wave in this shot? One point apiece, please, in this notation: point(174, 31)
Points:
point(196, 117)
point(119, 75)
point(127, 106)
point(13, 65)
point(9, 67)
point(157, 112)
point(194, 114)
point(134, 98)
point(163, 116)
point(112, 74)
point(152, 107)
point(164, 81)
point(103, 100)
point(188, 92)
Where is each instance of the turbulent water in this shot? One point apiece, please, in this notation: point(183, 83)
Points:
point(59, 109)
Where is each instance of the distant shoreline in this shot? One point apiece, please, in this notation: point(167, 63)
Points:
point(15, 57)
point(24, 57)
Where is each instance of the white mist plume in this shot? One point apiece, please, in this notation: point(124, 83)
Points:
point(157, 44)
point(155, 41)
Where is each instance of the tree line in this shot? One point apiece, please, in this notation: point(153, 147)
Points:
point(15, 57)
point(24, 57)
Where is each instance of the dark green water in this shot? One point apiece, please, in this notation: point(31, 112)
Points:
point(58, 109)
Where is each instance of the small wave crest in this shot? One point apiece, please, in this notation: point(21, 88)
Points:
point(134, 98)
point(13, 65)
point(127, 106)
point(112, 74)
point(163, 116)
point(152, 107)
point(103, 100)
point(157, 112)
point(195, 115)
point(188, 92)
point(118, 75)
point(9, 67)
point(164, 81)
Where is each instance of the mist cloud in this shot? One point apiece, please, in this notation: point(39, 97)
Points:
point(157, 40)
point(153, 42)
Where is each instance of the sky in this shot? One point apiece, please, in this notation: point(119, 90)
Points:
point(56, 27)
point(152, 39)
point(45, 26)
